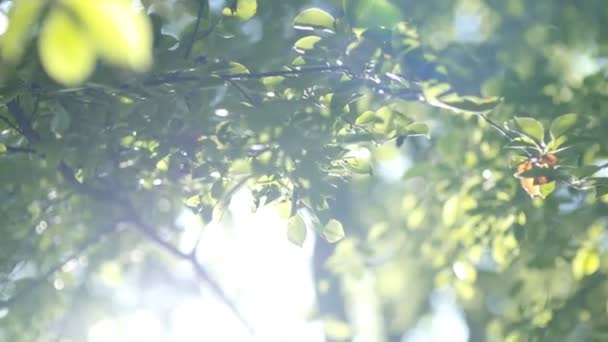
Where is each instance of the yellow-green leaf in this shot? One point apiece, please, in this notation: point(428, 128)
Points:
point(120, 34)
point(337, 329)
point(193, 201)
point(111, 274)
point(465, 271)
point(432, 91)
point(451, 210)
point(585, 263)
point(418, 128)
point(2, 148)
point(333, 231)
point(245, 9)
point(314, 18)
point(366, 117)
point(163, 164)
point(306, 43)
point(442, 96)
point(547, 189)
point(296, 230)
point(357, 160)
point(368, 13)
point(23, 15)
point(65, 51)
point(236, 68)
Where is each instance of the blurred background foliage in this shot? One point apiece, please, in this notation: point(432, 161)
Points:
point(431, 149)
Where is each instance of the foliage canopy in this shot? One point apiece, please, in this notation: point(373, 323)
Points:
point(116, 116)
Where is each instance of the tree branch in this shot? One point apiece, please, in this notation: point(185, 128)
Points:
point(14, 149)
point(23, 122)
point(175, 77)
point(288, 72)
point(86, 189)
point(200, 271)
point(130, 214)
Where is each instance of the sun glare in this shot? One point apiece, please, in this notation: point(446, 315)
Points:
point(269, 279)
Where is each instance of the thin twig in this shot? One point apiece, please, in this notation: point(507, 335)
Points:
point(36, 106)
point(131, 215)
point(91, 241)
point(10, 124)
point(251, 100)
point(495, 126)
point(503, 132)
point(202, 6)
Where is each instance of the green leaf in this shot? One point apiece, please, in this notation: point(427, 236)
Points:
point(555, 143)
point(385, 123)
point(377, 34)
point(2, 148)
point(562, 123)
point(314, 18)
point(245, 9)
point(368, 13)
point(418, 128)
point(306, 43)
point(531, 127)
point(441, 95)
point(359, 166)
point(65, 51)
point(585, 171)
point(296, 230)
point(333, 231)
point(341, 101)
point(61, 119)
point(473, 104)
point(600, 191)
